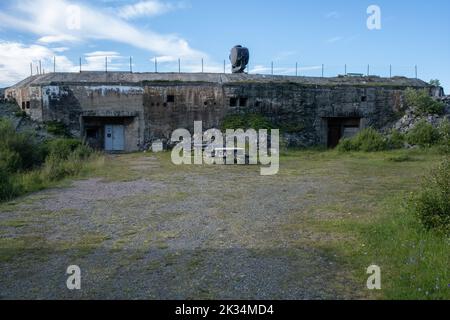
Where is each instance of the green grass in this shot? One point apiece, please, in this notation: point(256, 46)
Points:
point(360, 220)
point(414, 262)
point(374, 224)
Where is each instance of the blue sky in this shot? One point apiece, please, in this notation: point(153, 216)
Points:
point(311, 33)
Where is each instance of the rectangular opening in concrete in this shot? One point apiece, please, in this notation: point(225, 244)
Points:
point(338, 128)
point(170, 98)
point(106, 133)
point(233, 102)
point(243, 102)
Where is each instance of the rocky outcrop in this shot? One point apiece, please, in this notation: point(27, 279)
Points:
point(21, 122)
point(410, 118)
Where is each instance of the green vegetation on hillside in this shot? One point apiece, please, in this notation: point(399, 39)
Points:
point(28, 165)
point(422, 103)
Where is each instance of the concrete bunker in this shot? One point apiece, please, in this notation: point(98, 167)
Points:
point(140, 108)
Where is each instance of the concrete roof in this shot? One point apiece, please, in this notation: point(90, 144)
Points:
point(138, 78)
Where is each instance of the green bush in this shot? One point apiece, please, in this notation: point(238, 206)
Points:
point(20, 150)
point(8, 190)
point(62, 148)
point(347, 145)
point(432, 203)
point(10, 160)
point(82, 152)
point(395, 139)
point(444, 132)
point(422, 102)
point(435, 82)
point(246, 121)
point(367, 140)
point(21, 114)
point(423, 135)
point(58, 129)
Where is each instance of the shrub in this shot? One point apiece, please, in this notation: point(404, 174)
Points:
point(347, 145)
point(423, 134)
point(21, 114)
point(82, 152)
point(62, 148)
point(58, 129)
point(422, 102)
point(395, 139)
point(21, 150)
point(432, 203)
point(435, 82)
point(444, 132)
point(10, 161)
point(246, 121)
point(8, 190)
point(367, 140)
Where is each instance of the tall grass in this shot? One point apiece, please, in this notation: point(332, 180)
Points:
point(28, 165)
point(414, 260)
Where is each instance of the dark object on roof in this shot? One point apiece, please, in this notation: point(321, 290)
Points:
point(239, 58)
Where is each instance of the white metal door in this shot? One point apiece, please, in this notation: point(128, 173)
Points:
point(114, 137)
point(118, 138)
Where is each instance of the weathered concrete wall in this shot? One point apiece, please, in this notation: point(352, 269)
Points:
point(70, 103)
point(297, 110)
point(152, 109)
point(191, 102)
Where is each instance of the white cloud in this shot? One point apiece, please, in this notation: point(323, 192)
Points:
point(50, 20)
point(95, 61)
point(60, 49)
point(260, 69)
point(147, 8)
point(102, 54)
point(57, 39)
point(16, 58)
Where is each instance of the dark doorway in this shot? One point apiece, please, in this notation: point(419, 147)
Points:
point(339, 128)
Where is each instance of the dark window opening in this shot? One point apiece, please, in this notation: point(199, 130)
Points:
point(170, 98)
point(165, 104)
point(153, 104)
point(243, 102)
point(23, 105)
point(258, 103)
point(363, 98)
point(28, 104)
point(205, 103)
point(233, 102)
point(92, 133)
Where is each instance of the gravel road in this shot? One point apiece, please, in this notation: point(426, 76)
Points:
point(222, 232)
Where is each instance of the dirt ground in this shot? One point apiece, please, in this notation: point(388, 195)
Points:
point(146, 229)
